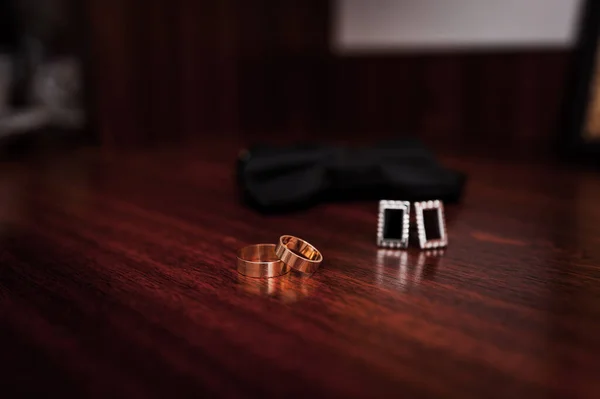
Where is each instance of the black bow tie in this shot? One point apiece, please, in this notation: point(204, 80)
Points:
point(287, 178)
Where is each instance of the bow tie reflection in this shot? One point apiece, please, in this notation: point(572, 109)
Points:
point(403, 270)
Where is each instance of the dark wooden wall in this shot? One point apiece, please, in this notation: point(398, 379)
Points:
point(505, 99)
point(169, 70)
point(162, 70)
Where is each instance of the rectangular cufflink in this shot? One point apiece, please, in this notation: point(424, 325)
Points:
point(393, 224)
point(431, 224)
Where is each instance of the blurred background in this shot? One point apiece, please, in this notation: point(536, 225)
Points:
point(464, 75)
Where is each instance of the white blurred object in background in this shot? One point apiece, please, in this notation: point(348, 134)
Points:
point(408, 25)
point(55, 99)
point(57, 88)
point(47, 83)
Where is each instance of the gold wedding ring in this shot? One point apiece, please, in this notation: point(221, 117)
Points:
point(298, 254)
point(260, 260)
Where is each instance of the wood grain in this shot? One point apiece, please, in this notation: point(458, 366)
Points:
point(117, 279)
point(168, 71)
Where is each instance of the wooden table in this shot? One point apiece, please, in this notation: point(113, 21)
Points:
point(117, 279)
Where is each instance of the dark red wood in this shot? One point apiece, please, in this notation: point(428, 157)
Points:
point(510, 99)
point(167, 71)
point(117, 279)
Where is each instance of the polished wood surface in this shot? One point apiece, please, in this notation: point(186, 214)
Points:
point(118, 279)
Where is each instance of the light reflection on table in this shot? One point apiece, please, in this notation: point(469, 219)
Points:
point(405, 269)
point(291, 287)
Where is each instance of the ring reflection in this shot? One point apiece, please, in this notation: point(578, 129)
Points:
point(289, 288)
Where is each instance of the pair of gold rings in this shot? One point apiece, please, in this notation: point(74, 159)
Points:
point(270, 260)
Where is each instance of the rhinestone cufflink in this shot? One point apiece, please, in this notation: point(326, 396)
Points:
point(394, 224)
point(431, 224)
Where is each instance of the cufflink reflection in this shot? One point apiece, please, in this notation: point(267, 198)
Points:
point(403, 270)
point(289, 288)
